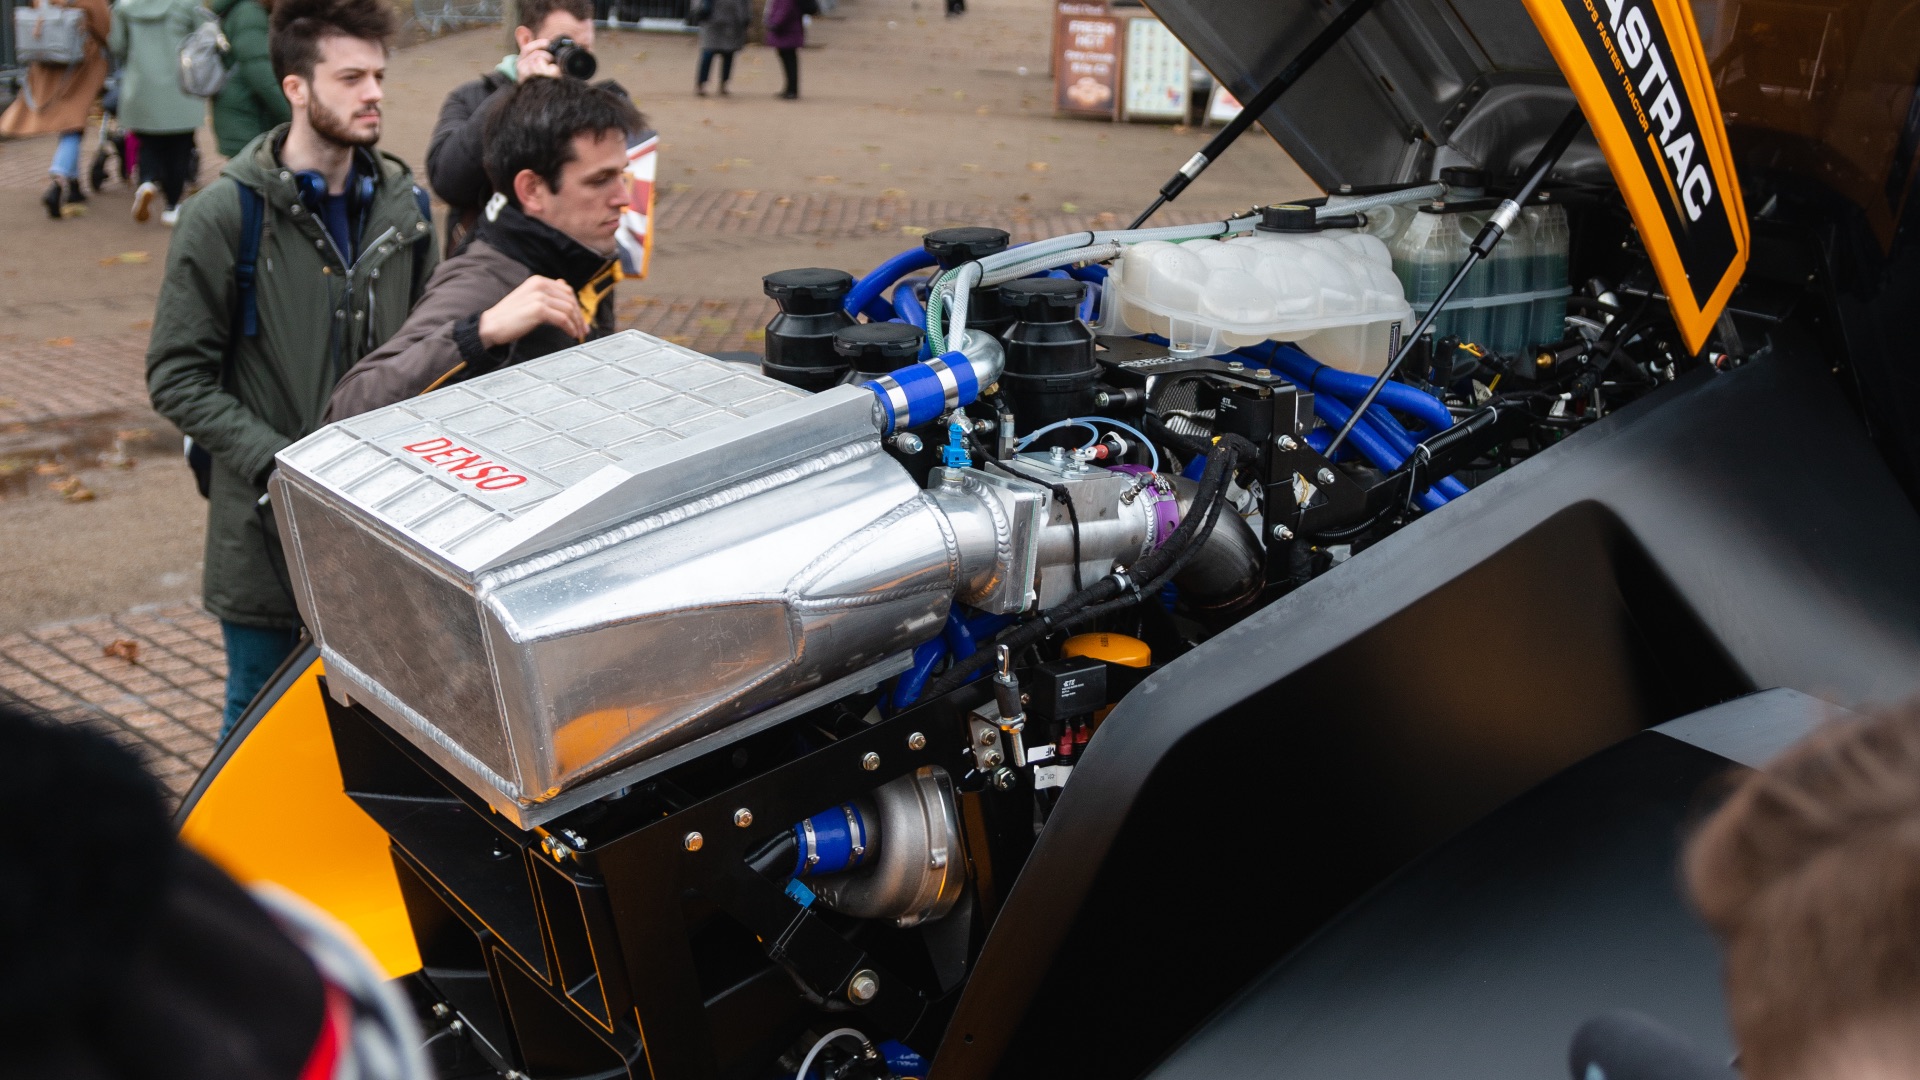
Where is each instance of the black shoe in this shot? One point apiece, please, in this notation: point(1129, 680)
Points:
point(790, 95)
point(51, 200)
point(724, 92)
point(701, 90)
point(75, 193)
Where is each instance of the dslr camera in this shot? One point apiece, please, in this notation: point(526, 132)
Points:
point(573, 58)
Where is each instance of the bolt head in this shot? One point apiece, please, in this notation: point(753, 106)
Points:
point(1325, 476)
point(693, 841)
point(456, 1027)
point(1285, 442)
point(1281, 532)
point(863, 987)
point(440, 1009)
point(870, 761)
point(743, 817)
point(917, 741)
point(1235, 365)
point(993, 759)
point(1262, 373)
point(989, 736)
point(908, 443)
point(1004, 779)
point(1102, 399)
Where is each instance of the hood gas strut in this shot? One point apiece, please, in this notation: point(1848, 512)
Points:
point(1257, 107)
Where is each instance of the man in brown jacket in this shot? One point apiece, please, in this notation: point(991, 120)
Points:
point(539, 275)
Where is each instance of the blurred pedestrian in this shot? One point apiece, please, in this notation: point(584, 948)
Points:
point(303, 257)
point(787, 32)
point(146, 40)
point(251, 101)
point(455, 165)
point(56, 100)
point(723, 32)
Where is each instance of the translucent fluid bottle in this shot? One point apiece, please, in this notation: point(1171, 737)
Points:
point(1550, 242)
point(1511, 273)
point(1425, 256)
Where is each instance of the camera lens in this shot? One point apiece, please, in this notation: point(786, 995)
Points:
point(573, 59)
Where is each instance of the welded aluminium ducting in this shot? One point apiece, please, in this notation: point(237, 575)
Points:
point(561, 575)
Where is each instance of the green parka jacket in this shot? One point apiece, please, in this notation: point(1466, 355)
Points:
point(251, 101)
point(317, 316)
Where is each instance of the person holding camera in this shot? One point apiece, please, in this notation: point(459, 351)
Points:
point(555, 39)
point(538, 274)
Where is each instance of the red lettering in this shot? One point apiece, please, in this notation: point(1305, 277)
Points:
point(444, 455)
point(500, 483)
point(428, 445)
point(484, 471)
point(465, 462)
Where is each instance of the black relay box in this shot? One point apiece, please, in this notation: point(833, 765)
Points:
point(1068, 688)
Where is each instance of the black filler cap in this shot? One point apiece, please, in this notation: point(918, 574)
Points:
point(1043, 299)
point(808, 291)
point(878, 346)
point(959, 246)
point(1466, 179)
point(1288, 218)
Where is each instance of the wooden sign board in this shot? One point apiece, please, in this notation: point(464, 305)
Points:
point(1086, 64)
point(1157, 83)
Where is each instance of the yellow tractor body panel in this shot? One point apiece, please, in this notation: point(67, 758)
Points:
point(276, 811)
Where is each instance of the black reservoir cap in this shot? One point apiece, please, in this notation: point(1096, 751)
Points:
point(1464, 179)
point(808, 290)
point(878, 346)
point(1043, 299)
point(958, 246)
point(1288, 218)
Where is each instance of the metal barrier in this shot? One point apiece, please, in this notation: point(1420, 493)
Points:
point(438, 15)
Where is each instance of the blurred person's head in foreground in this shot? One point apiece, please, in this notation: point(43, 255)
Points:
point(125, 954)
point(1810, 875)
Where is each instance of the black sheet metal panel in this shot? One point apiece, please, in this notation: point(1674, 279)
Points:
point(1483, 958)
point(1730, 533)
point(1373, 110)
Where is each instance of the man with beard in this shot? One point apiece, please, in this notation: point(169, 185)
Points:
point(538, 275)
point(304, 256)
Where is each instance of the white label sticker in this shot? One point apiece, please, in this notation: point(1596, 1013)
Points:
point(1051, 776)
point(1043, 752)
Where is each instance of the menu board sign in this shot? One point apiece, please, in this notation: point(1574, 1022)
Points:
point(1086, 64)
point(1157, 83)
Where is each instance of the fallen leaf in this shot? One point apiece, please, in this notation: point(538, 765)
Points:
point(142, 324)
point(742, 161)
point(982, 110)
point(970, 166)
point(783, 201)
point(882, 225)
point(1069, 208)
point(757, 335)
point(60, 342)
point(124, 648)
point(72, 210)
point(1037, 166)
point(746, 193)
point(894, 193)
point(48, 468)
point(1025, 197)
point(959, 95)
point(125, 258)
point(720, 326)
point(914, 230)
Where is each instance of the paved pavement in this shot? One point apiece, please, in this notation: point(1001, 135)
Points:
point(151, 679)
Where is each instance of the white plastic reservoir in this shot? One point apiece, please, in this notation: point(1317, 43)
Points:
point(1334, 294)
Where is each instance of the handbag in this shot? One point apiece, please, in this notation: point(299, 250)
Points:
point(203, 58)
point(50, 35)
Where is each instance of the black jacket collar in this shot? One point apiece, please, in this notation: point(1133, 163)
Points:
point(542, 248)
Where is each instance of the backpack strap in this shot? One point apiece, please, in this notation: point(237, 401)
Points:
point(252, 223)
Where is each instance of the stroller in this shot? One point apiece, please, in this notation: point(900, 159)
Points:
point(110, 149)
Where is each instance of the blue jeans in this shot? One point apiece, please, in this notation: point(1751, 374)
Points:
point(706, 65)
point(254, 653)
point(66, 156)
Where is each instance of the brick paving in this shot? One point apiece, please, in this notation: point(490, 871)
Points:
point(151, 679)
point(72, 379)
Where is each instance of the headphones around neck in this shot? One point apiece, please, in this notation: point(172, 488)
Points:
point(361, 182)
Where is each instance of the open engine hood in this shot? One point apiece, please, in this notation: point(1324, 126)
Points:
point(1415, 85)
